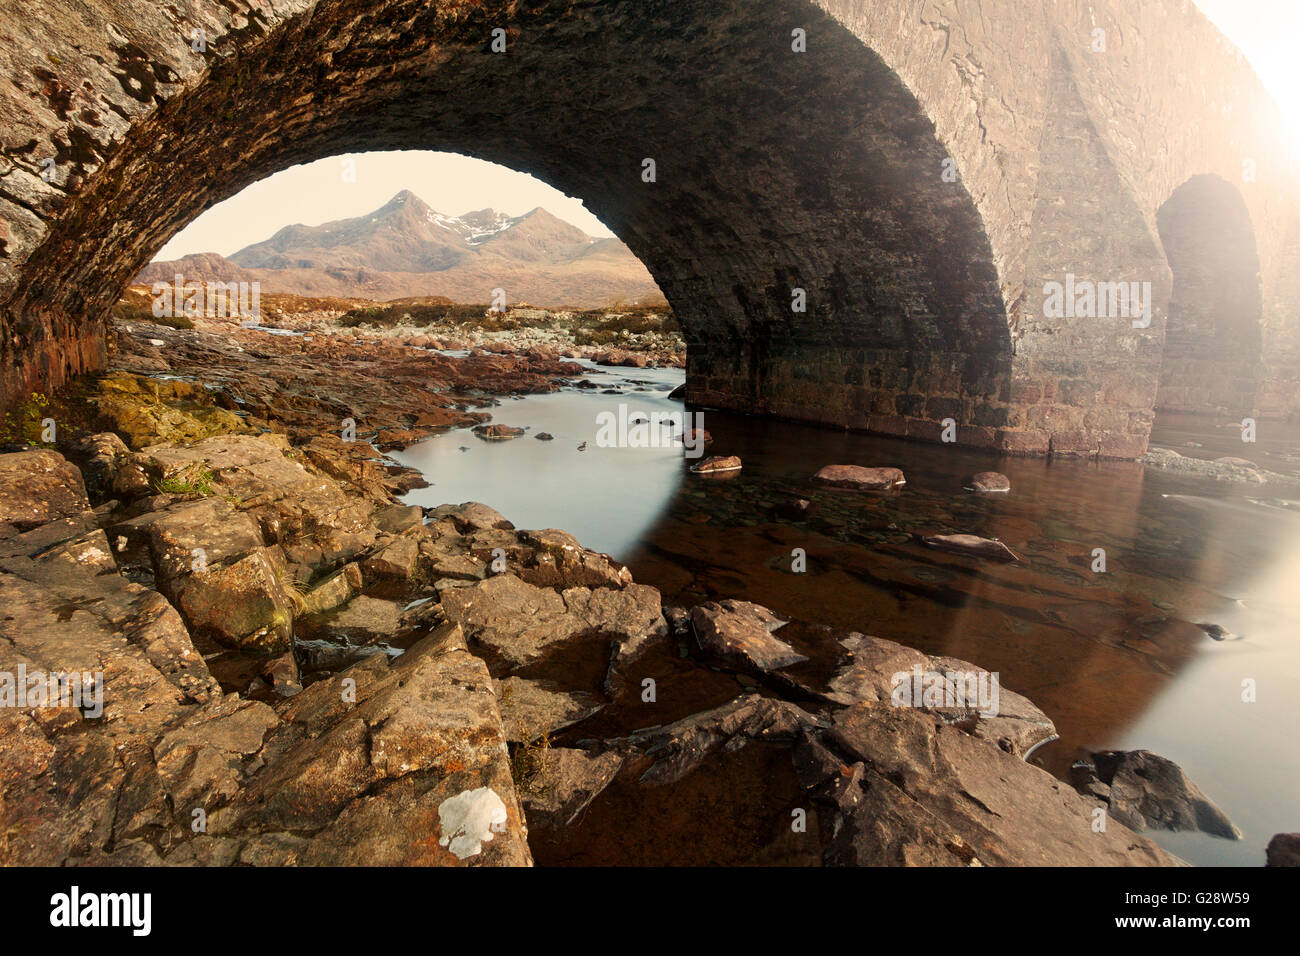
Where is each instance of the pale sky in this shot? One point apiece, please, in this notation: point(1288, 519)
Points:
point(1264, 30)
point(318, 192)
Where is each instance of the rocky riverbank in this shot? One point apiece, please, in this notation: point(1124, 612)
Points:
point(296, 667)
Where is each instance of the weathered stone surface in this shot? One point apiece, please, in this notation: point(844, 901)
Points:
point(1145, 791)
point(243, 604)
point(288, 502)
point(515, 619)
point(533, 709)
point(336, 589)
point(473, 516)
point(397, 560)
point(740, 634)
point(398, 519)
point(859, 478)
point(1008, 811)
point(39, 486)
point(111, 470)
point(521, 622)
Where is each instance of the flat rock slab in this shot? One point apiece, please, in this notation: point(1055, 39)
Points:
point(973, 545)
point(522, 623)
point(533, 709)
point(1145, 791)
point(860, 478)
point(740, 634)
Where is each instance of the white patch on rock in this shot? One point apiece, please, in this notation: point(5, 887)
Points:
point(469, 819)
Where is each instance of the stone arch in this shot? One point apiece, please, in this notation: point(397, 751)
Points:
point(776, 170)
point(1213, 346)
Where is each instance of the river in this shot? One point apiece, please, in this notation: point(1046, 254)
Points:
point(1116, 657)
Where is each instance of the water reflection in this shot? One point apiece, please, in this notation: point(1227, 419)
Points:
point(1115, 657)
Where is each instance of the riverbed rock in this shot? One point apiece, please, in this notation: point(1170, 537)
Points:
point(558, 560)
point(1284, 850)
point(1008, 812)
point(39, 486)
point(715, 464)
point(740, 634)
point(398, 518)
point(533, 709)
point(973, 545)
point(397, 560)
point(334, 590)
point(373, 773)
point(1145, 791)
point(796, 509)
point(859, 478)
point(110, 469)
point(244, 604)
point(666, 754)
point(149, 411)
point(497, 432)
point(988, 482)
point(289, 503)
point(472, 516)
point(565, 784)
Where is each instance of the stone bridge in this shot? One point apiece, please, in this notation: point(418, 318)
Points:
point(856, 209)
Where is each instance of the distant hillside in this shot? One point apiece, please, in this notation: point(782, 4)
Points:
point(405, 249)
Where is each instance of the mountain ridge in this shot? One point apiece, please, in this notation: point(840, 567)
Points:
point(405, 248)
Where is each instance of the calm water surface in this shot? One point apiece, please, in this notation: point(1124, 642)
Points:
point(1116, 659)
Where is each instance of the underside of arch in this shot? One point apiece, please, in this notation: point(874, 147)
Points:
point(775, 171)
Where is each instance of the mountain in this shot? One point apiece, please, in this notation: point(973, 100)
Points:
point(405, 249)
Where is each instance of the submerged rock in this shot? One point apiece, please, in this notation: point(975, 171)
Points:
point(973, 545)
point(740, 634)
point(860, 478)
point(988, 482)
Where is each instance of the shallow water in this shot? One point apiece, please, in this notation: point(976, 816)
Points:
point(1116, 659)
